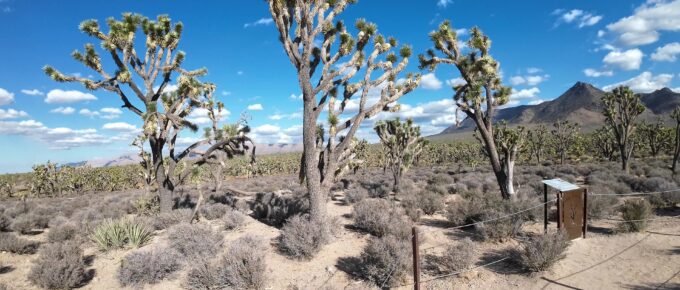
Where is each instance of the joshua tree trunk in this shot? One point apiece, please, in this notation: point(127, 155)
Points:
point(317, 196)
point(510, 166)
point(490, 146)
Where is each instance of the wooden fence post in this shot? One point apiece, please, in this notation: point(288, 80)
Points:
point(416, 259)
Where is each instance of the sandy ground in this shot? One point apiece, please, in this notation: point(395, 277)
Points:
point(649, 260)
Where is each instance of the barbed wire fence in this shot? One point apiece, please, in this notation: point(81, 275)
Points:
point(417, 231)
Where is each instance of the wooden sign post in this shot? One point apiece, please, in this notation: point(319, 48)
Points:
point(572, 200)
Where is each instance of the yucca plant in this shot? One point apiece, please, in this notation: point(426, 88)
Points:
point(137, 234)
point(116, 234)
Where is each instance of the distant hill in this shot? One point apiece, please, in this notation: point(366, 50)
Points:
point(133, 158)
point(580, 104)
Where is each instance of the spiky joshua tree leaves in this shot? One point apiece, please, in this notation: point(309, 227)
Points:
point(510, 141)
point(481, 93)
point(621, 108)
point(401, 144)
point(537, 142)
point(336, 72)
point(564, 135)
point(147, 75)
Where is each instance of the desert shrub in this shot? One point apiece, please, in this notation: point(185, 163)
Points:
point(539, 253)
point(63, 232)
point(149, 267)
point(59, 266)
point(5, 223)
point(195, 241)
point(241, 205)
point(430, 202)
point(58, 221)
point(381, 217)
point(302, 238)
point(166, 220)
point(243, 267)
point(274, 209)
point(601, 206)
point(355, 194)
point(233, 219)
point(456, 257)
point(655, 184)
point(635, 212)
point(23, 224)
point(147, 205)
point(112, 234)
point(385, 260)
point(411, 207)
point(214, 211)
point(13, 244)
point(500, 228)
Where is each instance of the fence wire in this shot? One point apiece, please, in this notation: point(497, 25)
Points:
point(634, 193)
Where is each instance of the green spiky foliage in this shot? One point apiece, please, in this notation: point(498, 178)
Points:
point(604, 144)
point(537, 142)
point(676, 144)
point(401, 146)
point(510, 142)
point(338, 73)
point(564, 138)
point(621, 109)
point(654, 137)
point(481, 93)
point(146, 75)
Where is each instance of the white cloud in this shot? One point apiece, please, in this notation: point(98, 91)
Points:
point(273, 134)
point(12, 114)
point(291, 116)
point(535, 102)
point(56, 138)
point(239, 72)
point(6, 97)
point(593, 73)
point(296, 97)
point(534, 70)
point(646, 82)
point(267, 129)
point(647, 23)
point(61, 96)
point(455, 82)
point(667, 52)
point(121, 127)
point(226, 93)
point(88, 113)
point(510, 104)
point(530, 80)
point(261, 21)
point(33, 92)
point(64, 110)
point(255, 107)
point(429, 81)
point(524, 93)
point(626, 60)
point(589, 20)
point(199, 116)
point(577, 16)
point(110, 113)
point(21, 128)
point(570, 16)
point(444, 3)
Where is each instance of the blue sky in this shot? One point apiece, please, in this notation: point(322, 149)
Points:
point(544, 47)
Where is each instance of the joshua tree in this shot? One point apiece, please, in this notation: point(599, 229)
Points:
point(621, 108)
point(603, 141)
point(676, 150)
point(538, 139)
point(335, 67)
point(564, 137)
point(401, 144)
point(509, 141)
point(480, 94)
point(655, 136)
point(148, 77)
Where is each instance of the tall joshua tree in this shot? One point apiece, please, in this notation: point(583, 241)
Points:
point(676, 145)
point(401, 144)
point(656, 137)
point(481, 94)
point(564, 137)
point(147, 77)
point(621, 108)
point(335, 67)
point(603, 142)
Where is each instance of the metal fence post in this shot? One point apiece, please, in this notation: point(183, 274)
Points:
point(416, 259)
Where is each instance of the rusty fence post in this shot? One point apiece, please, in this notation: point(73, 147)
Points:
point(416, 259)
point(545, 208)
point(585, 212)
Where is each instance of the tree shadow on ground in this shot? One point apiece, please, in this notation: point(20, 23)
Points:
point(6, 269)
point(435, 223)
point(507, 266)
point(601, 230)
point(349, 265)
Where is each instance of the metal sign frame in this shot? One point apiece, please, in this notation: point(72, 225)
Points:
point(562, 186)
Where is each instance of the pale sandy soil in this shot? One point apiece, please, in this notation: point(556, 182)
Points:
point(602, 261)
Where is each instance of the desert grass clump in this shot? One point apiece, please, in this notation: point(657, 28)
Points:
point(214, 211)
point(62, 232)
point(5, 223)
point(166, 220)
point(23, 224)
point(148, 267)
point(233, 219)
point(381, 217)
point(600, 207)
point(195, 241)
point(243, 267)
point(147, 205)
point(303, 238)
point(9, 242)
point(115, 234)
point(456, 257)
point(59, 266)
point(541, 252)
point(635, 213)
point(385, 260)
point(430, 202)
